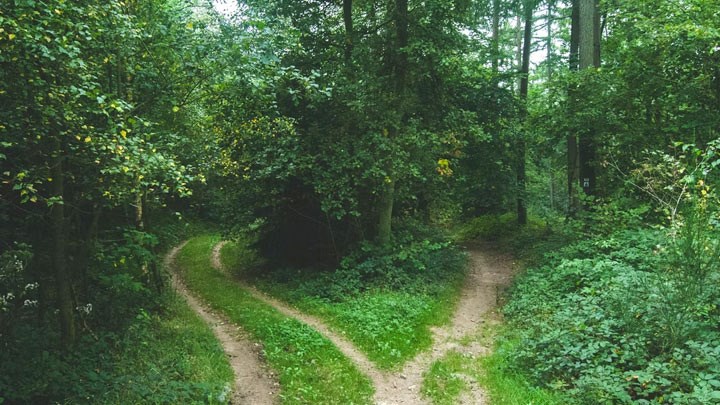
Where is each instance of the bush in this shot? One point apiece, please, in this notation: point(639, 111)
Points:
point(626, 318)
point(418, 260)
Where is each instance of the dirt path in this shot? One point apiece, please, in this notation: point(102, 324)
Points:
point(254, 383)
point(343, 344)
point(490, 272)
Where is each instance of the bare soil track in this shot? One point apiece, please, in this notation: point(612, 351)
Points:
point(490, 272)
point(254, 382)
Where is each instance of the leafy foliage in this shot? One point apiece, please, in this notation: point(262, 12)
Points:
point(621, 318)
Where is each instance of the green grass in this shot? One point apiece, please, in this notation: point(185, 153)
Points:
point(442, 383)
point(390, 327)
point(310, 368)
point(446, 381)
point(509, 388)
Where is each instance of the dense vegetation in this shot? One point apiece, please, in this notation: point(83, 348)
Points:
point(347, 140)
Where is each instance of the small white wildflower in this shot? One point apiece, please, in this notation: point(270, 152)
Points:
point(85, 309)
point(30, 303)
point(31, 286)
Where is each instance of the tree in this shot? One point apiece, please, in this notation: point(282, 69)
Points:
point(528, 11)
point(589, 57)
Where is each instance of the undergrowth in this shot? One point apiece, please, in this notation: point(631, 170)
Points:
point(626, 318)
point(162, 357)
point(310, 368)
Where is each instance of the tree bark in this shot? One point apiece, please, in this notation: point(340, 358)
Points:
point(387, 201)
point(524, 86)
point(589, 26)
point(548, 44)
point(573, 173)
point(398, 59)
point(349, 34)
point(60, 266)
point(496, 36)
point(518, 48)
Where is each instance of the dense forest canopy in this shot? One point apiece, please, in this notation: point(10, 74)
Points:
point(330, 131)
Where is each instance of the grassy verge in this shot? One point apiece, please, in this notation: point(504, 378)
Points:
point(448, 378)
point(174, 358)
point(310, 368)
point(390, 326)
point(168, 357)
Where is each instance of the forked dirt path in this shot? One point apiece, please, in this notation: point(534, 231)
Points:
point(254, 382)
point(490, 272)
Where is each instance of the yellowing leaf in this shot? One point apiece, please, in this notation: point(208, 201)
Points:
point(125, 169)
point(123, 133)
point(33, 198)
point(11, 36)
point(88, 139)
point(176, 108)
point(189, 25)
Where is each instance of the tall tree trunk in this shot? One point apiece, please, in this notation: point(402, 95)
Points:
point(60, 266)
point(548, 44)
point(349, 34)
point(573, 164)
point(518, 47)
point(387, 200)
point(597, 34)
point(399, 60)
point(588, 29)
point(575, 36)
point(524, 86)
point(496, 36)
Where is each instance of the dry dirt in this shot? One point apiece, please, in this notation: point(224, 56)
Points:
point(254, 382)
point(489, 274)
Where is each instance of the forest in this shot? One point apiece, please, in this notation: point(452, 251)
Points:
point(359, 201)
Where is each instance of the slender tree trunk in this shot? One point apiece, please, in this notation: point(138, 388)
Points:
point(349, 34)
point(573, 173)
point(399, 60)
point(387, 201)
point(524, 86)
point(552, 189)
point(139, 217)
point(597, 34)
point(518, 47)
point(496, 36)
point(62, 275)
point(588, 29)
point(575, 36)
point(548, 44)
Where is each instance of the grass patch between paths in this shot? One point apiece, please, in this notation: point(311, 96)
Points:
point(391, 325)
point(175, 359)
point(310, 368)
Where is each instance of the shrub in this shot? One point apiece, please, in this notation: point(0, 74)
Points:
point(627, 318)
point(418, 260)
